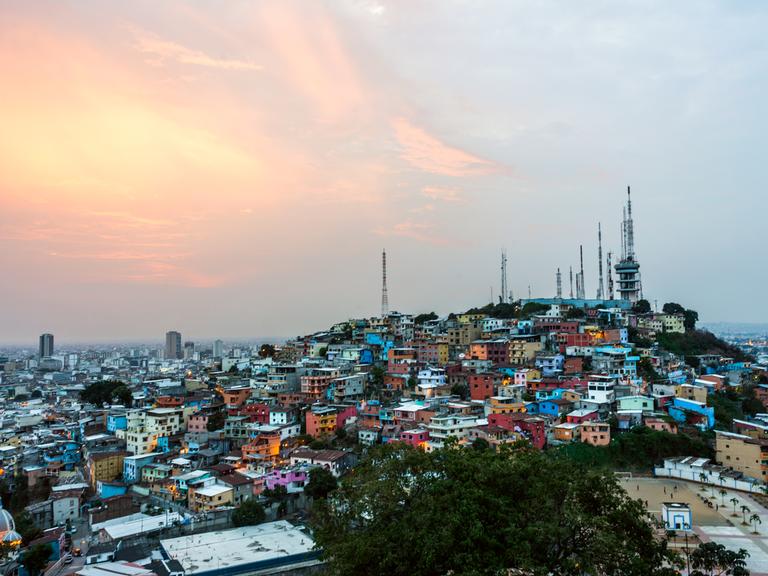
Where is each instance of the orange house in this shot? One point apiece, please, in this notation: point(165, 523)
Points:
point(265, 446)
point(596, 433)
point(236, 396)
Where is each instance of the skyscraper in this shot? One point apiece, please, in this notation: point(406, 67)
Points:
point(46, 345)
point(218, 349)
point(173, 345)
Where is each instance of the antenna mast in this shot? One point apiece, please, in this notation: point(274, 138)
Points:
point(630, 229)
point(570, 272)
point(610, 277)
point(559, 285)
point(503, 277)
point(600, 294)
point(384, 295)
point(581, 290)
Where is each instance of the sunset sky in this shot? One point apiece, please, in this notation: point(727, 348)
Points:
point(234, 169)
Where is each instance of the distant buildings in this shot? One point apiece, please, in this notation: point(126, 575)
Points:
point(46, 346)
point(173, 348)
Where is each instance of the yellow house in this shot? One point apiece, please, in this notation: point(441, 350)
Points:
point(691, 392)
point(210, 497)
point(567, 432)
point(505, 405)
point(105, 466)
point(468, 318)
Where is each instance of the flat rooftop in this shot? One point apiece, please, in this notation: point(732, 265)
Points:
point(227, 549)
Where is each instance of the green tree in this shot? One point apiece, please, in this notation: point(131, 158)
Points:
point(421, 318)
point(123, 395)
point(574, 313)
point(642, 307)
point(27, 528)
point(483, 512)
point(480, 444)
point(250, 512)
point(690, 317)
point(712, 559)
point(672, 308)
point(533, 308)
point(377, 378)
point(321, 483)
point(460, 389)
point(36, 558)
point(646, 370)
point(104, 392)
point(267, 350)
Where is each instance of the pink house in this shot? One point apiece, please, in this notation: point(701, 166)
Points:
point(198, 423)
point(293, 479)
point(415, 437)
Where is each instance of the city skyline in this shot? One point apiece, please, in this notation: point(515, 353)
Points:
point(235, 173)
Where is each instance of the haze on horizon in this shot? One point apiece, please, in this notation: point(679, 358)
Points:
point(234, 169)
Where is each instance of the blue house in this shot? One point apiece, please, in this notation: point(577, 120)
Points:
point(555, 408)
point(691, 412)
point(109, 489)
point(116, 422)
point(555, 394)
point(132, 466)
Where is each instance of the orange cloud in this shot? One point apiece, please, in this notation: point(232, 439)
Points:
point(313, 59)
point(161, 50)
point(442, 194)
point(428, 153)
point(421, 231)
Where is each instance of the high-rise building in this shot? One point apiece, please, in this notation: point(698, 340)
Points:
point(218, 349)
point(189, 350)
point(46, 345)
point(173, 345)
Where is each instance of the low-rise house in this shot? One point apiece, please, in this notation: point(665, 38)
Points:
point(566, 432)
point(211, 497)
point(661, 424)
point(596, 433)
point(336, 461)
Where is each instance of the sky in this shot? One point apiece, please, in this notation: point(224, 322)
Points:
point(234, 169)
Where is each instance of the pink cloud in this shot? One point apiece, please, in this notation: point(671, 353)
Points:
point(428, 153)
point(421, 231)
point(161, 50)
point(442, 194)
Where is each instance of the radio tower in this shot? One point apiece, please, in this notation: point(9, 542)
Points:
point(580, 284)
point(628, 268)
point(503, 277)
point(384, 297)
point(600, 295)
point(570, 272)
point(559, 285)
point(610, 277)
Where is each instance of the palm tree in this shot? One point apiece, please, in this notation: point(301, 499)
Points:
point(734, 501)
point(723, 492)
point(755, 520)
point(703, 478)
point(744, 510)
